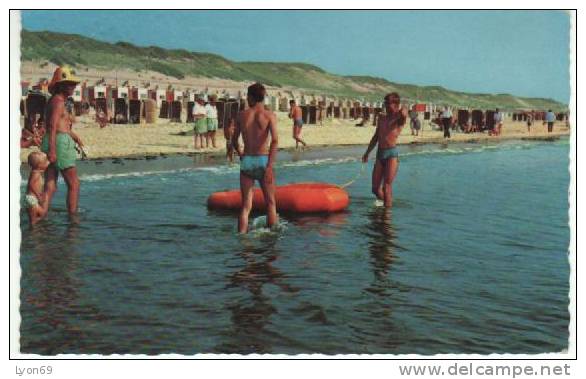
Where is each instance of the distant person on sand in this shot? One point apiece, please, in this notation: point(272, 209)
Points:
point(257, 160)
point(35, 200)
point(446, 120)
point(59, 140)
point(212, 122)
point(297, 116)
point(550, 119)
point(529, 121)
point(228, 134)
point(498, 122)
point(201, 125)
point(388, 129)
point(414, 122)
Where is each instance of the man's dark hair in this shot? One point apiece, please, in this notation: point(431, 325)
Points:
point(257, 92)
point(549, 110)
point(291, 101)
point(392, 97)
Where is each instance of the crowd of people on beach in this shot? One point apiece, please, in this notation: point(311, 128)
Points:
point(256, 125)
point(205, 126)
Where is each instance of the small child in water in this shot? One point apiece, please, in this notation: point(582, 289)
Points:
point(34, 200)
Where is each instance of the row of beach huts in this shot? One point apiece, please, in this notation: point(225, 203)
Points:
point(131, 104)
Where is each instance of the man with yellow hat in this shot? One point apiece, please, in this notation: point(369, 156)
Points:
point(59, 141)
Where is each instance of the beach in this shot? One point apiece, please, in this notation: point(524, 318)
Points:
point(165, 137)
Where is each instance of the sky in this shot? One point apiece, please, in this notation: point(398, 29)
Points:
point(523, 53)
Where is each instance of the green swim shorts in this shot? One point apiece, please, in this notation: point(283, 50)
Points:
point(66, 153)
point(201, 126)
point(212, 124)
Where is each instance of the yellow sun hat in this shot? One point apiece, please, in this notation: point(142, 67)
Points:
point(63, 74)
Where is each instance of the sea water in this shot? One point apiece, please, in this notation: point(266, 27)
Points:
point(473, 258)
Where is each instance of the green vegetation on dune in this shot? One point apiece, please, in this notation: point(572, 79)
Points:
point(77, 50)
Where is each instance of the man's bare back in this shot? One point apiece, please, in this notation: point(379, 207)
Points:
point(256, 163)
point(254, 124)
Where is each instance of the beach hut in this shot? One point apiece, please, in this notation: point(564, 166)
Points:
point(463, 117)
point(190, 105)
point(35, 104)
point(101, 105)
point(142, 94)
point(489, 119)
point(121, 110)
point(77, 93)
point(477, 118)
point(100, 92)
point(164, 109)
point(122, 93)
point(176, 107)
point(312, 114)
point(135, 111)
point(132, 94)
point(366, 113)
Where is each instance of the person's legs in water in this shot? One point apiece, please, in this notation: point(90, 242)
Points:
point(377, 177)
point(72, 181)
point(51, 176)
point(267, 184)
point(246, 186)
point(389, 172)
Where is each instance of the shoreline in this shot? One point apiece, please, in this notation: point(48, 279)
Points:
point(167, 139)
point(219, 152)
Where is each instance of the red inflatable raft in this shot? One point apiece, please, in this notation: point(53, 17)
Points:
point(295, 198)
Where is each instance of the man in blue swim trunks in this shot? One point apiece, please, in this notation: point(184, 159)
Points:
point(256, 161)
point(297, 115)
point(388, 129)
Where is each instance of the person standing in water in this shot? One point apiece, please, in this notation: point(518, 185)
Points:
point(297, 116)
point(59, 142)
point(257, 159)
point(388, 129)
